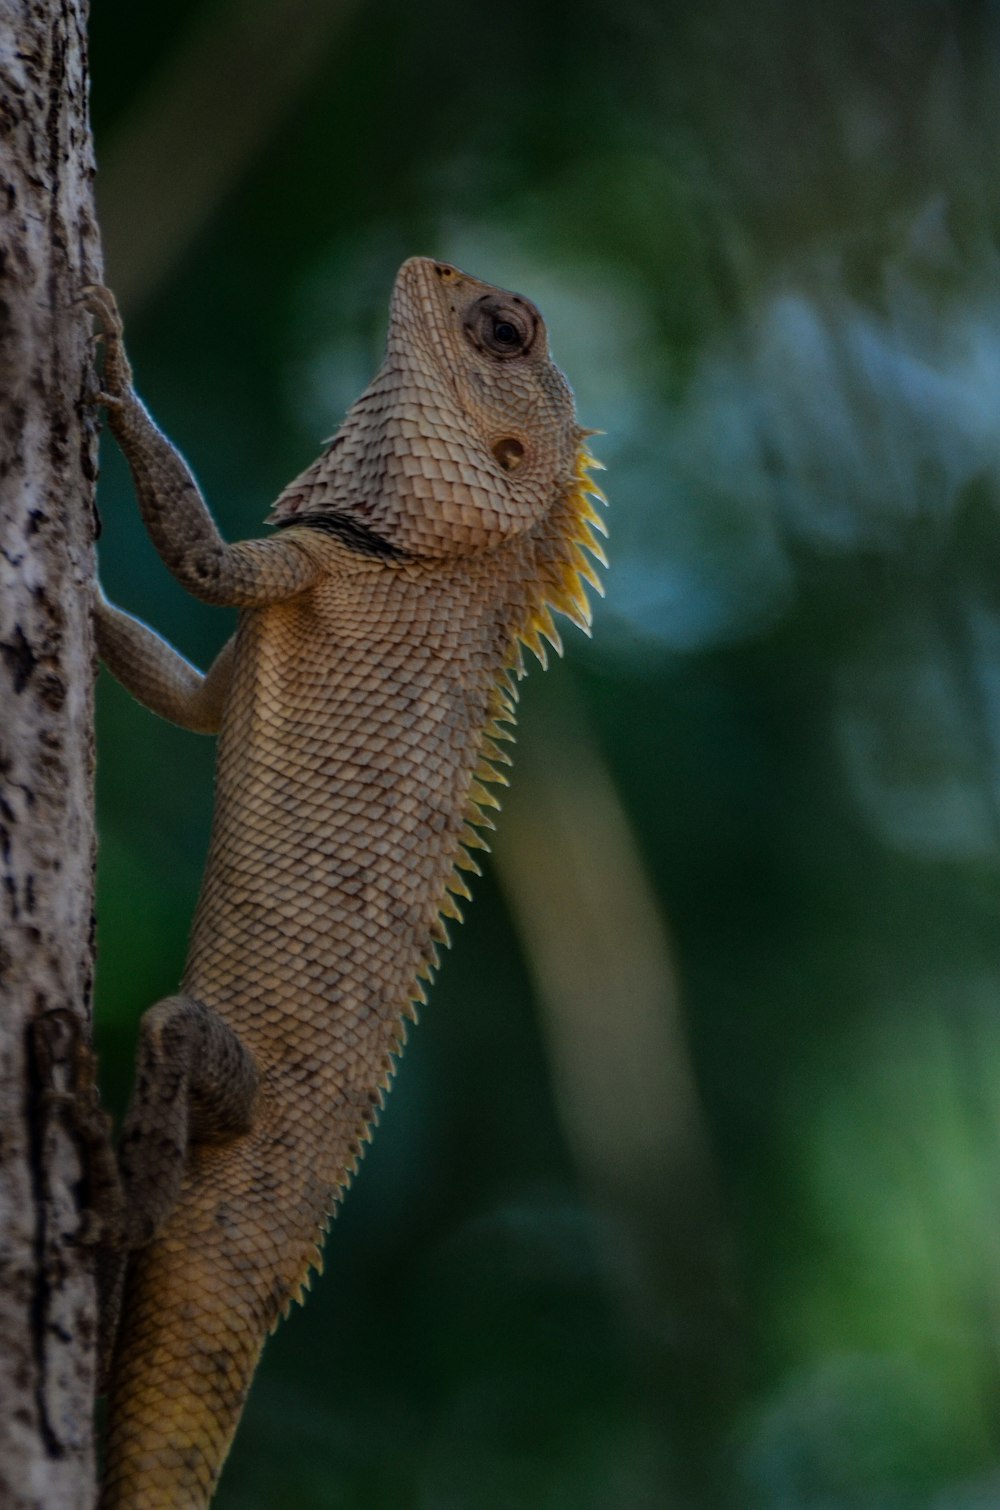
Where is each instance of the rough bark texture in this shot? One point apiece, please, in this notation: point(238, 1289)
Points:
point(48, 248)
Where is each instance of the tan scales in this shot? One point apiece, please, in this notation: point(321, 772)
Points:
point(358, 708)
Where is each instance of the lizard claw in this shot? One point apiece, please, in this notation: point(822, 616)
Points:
point(117, 372)
point(101, 302)
point(109, 400)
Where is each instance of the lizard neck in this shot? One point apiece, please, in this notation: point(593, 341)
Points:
point(414, 468)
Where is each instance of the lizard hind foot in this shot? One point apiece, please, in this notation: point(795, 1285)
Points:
point(66, 1069)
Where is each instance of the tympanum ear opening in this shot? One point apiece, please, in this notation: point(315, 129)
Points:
point(509, 452)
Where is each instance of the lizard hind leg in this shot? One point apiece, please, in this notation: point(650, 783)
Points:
point(195, 1082)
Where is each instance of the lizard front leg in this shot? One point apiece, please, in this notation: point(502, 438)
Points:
point(157, 675)
point(248, 574)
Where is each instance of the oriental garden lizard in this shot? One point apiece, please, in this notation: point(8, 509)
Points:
point(359, 708)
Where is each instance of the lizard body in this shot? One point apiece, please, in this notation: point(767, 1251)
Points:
point(358, 708)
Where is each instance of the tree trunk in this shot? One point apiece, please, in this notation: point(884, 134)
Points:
point(48, 249)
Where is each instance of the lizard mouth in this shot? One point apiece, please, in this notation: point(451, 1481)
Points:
point(425, 286)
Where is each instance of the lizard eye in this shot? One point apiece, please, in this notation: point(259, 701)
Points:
point(502, 327)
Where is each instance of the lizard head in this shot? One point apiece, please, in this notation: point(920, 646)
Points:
point(467, 435)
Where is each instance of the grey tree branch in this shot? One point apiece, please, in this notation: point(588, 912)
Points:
point(48, 465)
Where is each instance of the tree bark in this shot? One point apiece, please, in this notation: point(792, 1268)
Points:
point(48, 465)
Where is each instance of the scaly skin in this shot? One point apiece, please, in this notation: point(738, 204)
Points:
point(358, 707)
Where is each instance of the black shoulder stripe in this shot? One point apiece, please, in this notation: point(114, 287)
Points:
point(356, 536)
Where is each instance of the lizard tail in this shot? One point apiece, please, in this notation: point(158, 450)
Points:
point(200, 1302)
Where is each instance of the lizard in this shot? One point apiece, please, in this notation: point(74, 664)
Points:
point(360, 709)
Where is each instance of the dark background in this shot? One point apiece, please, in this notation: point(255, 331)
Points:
point(688, 1191)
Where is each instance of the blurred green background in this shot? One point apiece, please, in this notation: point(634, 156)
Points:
point(689, 1191)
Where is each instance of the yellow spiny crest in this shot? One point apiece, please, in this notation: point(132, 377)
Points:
point(590, 514)
point(564, 569)
point(491, 752)
point(595, 547)
point(584, 569)
point(480, 798)
point(450, 908)
point(560, 571)
point(485, 771)
point(529, 637)
point(573, 606)
point(458, 885)
point(544, 624)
